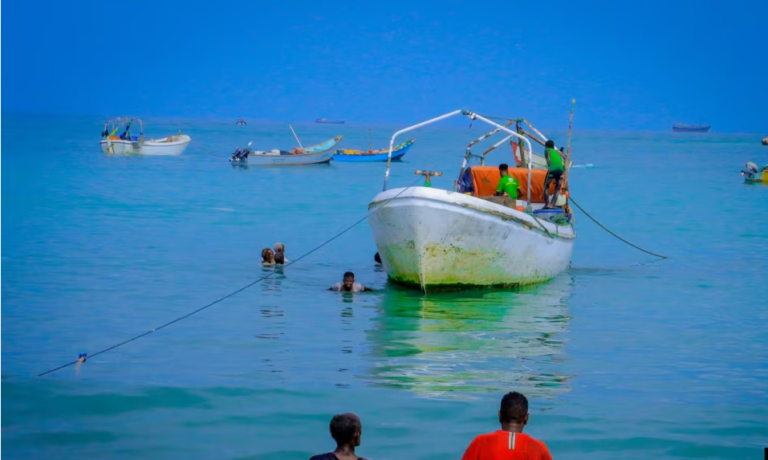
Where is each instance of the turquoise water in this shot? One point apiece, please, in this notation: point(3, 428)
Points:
point(622, 356)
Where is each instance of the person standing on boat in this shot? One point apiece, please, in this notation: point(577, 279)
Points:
point(555, 169)
point(508, 185)
point(509, 442)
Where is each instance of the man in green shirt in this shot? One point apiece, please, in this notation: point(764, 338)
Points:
point(555, 170)
point(508, 185)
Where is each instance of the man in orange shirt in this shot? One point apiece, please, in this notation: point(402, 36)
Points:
point(508, 443)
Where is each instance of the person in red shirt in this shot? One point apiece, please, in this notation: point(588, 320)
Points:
point(508, 443)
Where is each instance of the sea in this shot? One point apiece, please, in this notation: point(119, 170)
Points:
point(624, 355)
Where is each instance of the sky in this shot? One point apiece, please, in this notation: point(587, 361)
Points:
point(629, 65)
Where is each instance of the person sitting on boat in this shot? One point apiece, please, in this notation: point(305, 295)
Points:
point(267, 257)
point(349, 285)
point(508, 185)
point(126, 135)
point(555, 171)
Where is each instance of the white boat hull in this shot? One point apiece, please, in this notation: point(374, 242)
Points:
point(266, 159)
point(431, 237)
point(173, 147)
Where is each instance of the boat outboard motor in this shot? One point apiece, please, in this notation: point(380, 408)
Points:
point(240, 154)
point(749, 171)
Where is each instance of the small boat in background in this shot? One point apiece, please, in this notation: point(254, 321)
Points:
point(754, 175)
point(398, 151)
point(137, 145)
point(681, 128)
point(314, 154)
point(764, 141)
point(241, 122)
point(333, 122)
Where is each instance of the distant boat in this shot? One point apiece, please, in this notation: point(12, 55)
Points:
point(325, 120)
point(240, 121)
point(764, 141)
point(373, 155)
point(681, 128)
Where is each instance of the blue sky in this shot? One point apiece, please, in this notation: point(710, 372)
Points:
point(630, 65)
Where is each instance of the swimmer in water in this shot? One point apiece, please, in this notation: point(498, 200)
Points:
point(280, 249)
point(349, 285)
point(267, 257)
point(377, 258)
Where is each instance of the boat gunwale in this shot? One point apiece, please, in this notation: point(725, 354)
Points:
point(502, 212)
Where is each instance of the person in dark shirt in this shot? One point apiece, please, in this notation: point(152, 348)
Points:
point(346, 430)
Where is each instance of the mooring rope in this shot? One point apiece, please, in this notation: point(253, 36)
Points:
point(617, 236)
point(83, 356)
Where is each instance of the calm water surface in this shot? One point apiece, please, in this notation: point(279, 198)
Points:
point(622, 356)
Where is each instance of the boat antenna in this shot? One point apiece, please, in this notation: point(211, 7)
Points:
point(568, 152)
point(297, 137)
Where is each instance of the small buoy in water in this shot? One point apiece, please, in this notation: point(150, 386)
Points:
point(81, 358)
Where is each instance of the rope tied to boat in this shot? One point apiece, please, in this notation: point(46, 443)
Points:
point(82, 357)
point(615, 235)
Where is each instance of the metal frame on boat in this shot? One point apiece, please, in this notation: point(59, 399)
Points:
point(429, 237)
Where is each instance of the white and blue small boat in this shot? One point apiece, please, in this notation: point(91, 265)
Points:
point(314, 154)
point(373, 155)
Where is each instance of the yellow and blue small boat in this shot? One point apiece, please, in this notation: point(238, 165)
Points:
point(753, 175)
point(373, 155)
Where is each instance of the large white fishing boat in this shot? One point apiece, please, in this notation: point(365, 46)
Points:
point(430, 237)
point(126, 143)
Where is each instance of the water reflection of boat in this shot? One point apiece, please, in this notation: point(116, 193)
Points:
point(451, 345)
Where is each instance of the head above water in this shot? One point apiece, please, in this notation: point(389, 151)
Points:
point(267, 255)
point(349, 279)
point(279, 247)
point(346, 429)
point(279, 258)
point(377, 258)
point(550, 144)
point(503, 168)
point(513, 409)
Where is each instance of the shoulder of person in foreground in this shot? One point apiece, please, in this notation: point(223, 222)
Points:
point(335, 287)
point(543, 450)
point(326, 456)
point(475, 447)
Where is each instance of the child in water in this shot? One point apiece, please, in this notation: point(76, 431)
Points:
point(267, 257)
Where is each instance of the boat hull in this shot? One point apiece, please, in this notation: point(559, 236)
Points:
point(290, 160)
point(369, 158)
point(428, 237)
point(690, 129)
point(174, 147)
